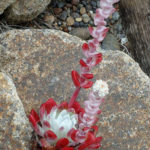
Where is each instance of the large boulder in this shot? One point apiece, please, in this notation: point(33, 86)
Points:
point(4, 4)
point(40, 61)
point(136, 20)
point(15, 131)
point(26, 10)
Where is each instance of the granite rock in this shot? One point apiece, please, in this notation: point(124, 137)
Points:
point(26, 10)
point(4, 4)
point(110, 42)
point(82, 33)
point(40, 68)
point(15, 130)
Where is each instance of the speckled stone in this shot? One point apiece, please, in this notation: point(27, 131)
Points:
point(82, 33)
point(26, 10)
point(110, 42)
point(15, 130)
point(4, 4)
point(41, 69)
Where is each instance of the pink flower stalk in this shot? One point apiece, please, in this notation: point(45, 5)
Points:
point(90, 115)
point(68, 126)
point(92, 57)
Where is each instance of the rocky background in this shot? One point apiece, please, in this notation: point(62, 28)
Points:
point(36, 59)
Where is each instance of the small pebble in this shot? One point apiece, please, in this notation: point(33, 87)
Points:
point(98, 4)
point(74, 8)
point(93, 3)
point(75, 15)
point(61, 4)
point(78, 19)
point(86, 18)
point(81, 24)
point(65, 29)
point(59, 23)
point(57, 11)
point(115, 16)
point(64, 24)
point(84, 3)
point(88, 7)
point(68, 11)
point(68, 1)
point(49, 19)
point(70, 21)
point(76, 24)
point(82, 10)
point(91, 22)
point(75, 2)
point(119, 27)
point(63, 15)
point(69, 28)
point(68, 5)
point(80, 6)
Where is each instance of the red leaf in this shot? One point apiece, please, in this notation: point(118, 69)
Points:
point(88, 75)
point(34, 118)
point(72, 134)
point(47, 106)
point(98, 58)
point(63, 142)
point(50, 135)
point(87, 85)
point(75, 78)
point(63, 105)
point(46, 124)
point(67, 148)
point(85, 47)
point(95, 128)
point(90, 140)
point(76, 106)
point(82, 63)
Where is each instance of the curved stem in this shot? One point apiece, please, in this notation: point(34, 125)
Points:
point(74, 96)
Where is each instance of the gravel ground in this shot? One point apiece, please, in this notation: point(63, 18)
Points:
point(75, 17)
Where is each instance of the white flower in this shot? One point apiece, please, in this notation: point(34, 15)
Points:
point(101, 88)
point(61, 122)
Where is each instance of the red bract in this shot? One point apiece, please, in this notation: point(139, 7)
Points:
point(85, 47)
point(75, 78)
point(81, 81)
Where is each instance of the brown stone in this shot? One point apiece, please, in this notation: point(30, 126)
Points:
point(49, 19)
point(70, 21)
point(75, 2)
point(82, 33)
point(74, 8)
point(15, 130)
point(82, 10)
point(4, 4)
point(78, 19)
point(57, 11)
point(41, 69)
point(26, 10)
